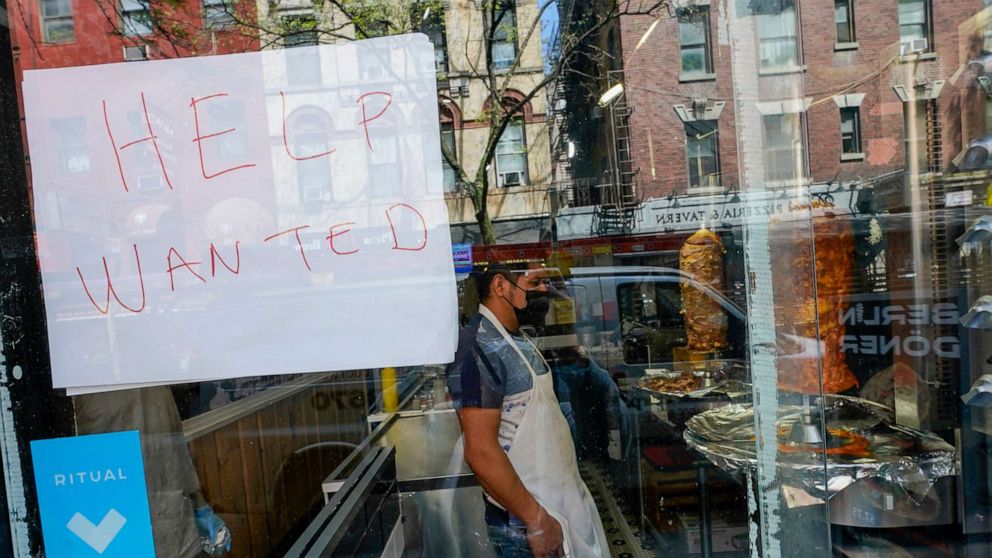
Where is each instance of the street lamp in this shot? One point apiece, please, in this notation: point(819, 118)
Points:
point(611, 94)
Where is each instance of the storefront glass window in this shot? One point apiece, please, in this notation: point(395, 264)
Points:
point(474, 278)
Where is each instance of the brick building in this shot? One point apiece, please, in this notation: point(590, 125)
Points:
point(842, 94)
point(63, 33)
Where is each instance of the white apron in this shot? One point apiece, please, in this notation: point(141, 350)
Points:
point(543, 455)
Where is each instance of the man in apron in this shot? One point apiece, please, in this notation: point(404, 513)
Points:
point(516, 439)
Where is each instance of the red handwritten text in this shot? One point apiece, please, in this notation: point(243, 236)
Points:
point(392, 226)
point(110, 287)
point(198, 140)
point(333, 235)
point(150, 137)
point(187, 265)
point(299, 242)
point(366, 119)
point(215, 257)
point(285, 139)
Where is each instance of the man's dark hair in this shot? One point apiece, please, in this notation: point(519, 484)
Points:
point(484, 279)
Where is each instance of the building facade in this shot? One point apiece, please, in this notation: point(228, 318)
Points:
point(518, 168)
point(839, 89)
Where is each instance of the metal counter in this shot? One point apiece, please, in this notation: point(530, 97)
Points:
point(425, 451)
point(440, 499)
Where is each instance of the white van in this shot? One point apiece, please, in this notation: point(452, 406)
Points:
point(630, 318)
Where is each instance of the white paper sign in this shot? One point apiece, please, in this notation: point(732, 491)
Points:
point(959, 199)
point(265, 213)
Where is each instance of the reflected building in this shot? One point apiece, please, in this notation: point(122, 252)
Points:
point(843, 100)
point(519, 171)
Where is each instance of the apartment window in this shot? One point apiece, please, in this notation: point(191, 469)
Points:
point(136, 18)
point(313, 176)
point(70, 141)
point(777, 37)
point(702, 153)
point(448, 140)
point(301, 30)
point(694, 41)
point(56, 21)
point(225, 113)
point(504, 47)
point(850, 130)
point(511, 156)
point(785, 155)
point(915, 26)
point(432, 25)
point(384, 168)
point(218, 14)
point(142, 158)
point(302, 65)
point(844, 19)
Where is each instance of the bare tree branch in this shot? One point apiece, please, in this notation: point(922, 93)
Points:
point(343, 20)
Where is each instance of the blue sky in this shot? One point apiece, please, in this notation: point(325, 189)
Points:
point(549, 26)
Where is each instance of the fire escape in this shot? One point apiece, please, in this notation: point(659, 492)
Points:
point(562, 193)
point(935, 139)
point(618, 206)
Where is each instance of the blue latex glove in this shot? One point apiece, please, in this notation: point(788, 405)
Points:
point(214, 534)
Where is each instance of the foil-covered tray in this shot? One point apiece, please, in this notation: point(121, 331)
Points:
point(706, 383)
point(862, 442)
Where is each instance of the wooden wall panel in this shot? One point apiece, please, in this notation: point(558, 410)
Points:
point(254, 489)
point(262, 473)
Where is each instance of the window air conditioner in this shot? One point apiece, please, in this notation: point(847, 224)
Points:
point(149, 183)
point(915, 46)
point(458, 86)
point(511, 178)
point(136, 52)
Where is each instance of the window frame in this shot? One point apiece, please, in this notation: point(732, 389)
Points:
point(856, 139)
point(212, 19)
point(385, 160)
point(130, 16)
point(302, 66)
point(504, 33)
point(70, 137)
point(306, 129)
point(789, 6)
point(695, 16)
point(714, 133)
point(448, 131)
point(435, 27)
point(849, 24)
point(522, 153)
point(46, 35)
point(927, 23)
point(295, 18)
point(793, 178)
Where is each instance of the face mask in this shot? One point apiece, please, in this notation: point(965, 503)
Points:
point(534, 312)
